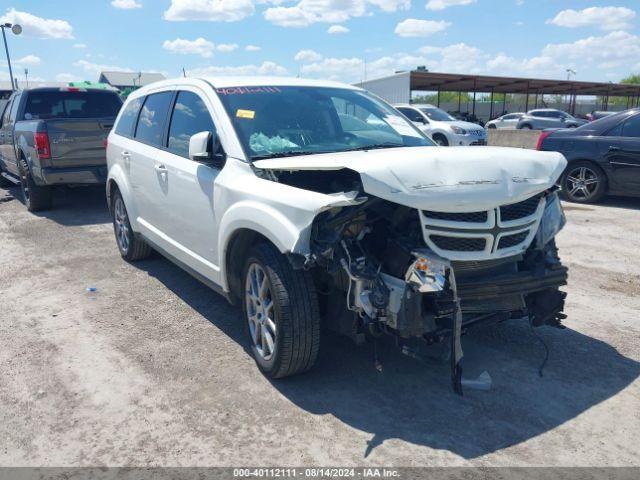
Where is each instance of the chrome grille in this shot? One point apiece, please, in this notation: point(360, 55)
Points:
point(503, 231)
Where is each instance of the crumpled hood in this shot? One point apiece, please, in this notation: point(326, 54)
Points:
point(445, 179)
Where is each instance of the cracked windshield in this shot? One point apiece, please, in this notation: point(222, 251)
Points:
point(289, 121)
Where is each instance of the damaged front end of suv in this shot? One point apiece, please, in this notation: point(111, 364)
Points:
point(435, 245)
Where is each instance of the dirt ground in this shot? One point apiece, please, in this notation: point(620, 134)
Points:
point(153, 369)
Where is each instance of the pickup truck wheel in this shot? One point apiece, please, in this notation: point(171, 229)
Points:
point(282, 313)
point(131, 247)
point(36, 198)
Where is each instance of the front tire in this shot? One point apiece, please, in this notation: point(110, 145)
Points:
point(281, 311)
point(583, 182)
point(526, 126)
point(441, 140)
point(36, 198)
point(130, 246)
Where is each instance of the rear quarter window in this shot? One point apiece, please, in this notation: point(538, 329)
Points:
point(71, 104)
point(127, 120)
point(152, 118)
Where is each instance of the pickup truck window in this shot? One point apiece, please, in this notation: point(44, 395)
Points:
point(152, 119)
point(127, 120)
point(288, 121)
point(190, 116)
point(71, 104)
point(5, 115)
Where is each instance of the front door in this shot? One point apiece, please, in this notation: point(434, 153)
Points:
point(188, 216)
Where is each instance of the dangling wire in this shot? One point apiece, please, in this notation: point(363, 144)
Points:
point(544, 344)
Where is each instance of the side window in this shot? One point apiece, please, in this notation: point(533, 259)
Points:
point(152, 118)
point(5, 115)
point(411, 114)
point(14, 109)
point(190, 116)
point(631, 127)
point(128, 118)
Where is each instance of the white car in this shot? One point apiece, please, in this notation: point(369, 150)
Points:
point(310, 202)
point(508, 121)
point(442, 127)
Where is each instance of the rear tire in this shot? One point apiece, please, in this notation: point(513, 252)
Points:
point(583, 182)
point(130, 246)
point(36, 198)
point(282, 315)
point(526, 126)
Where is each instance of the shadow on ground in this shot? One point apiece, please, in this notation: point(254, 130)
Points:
point(414, 402)
point(73, 206)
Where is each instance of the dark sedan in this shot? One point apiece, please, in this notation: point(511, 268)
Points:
point(603, 156)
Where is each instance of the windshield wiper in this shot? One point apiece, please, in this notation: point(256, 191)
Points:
point(374, 146)
point(288, 153)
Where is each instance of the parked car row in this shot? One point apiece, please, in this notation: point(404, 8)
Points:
point(312, 203)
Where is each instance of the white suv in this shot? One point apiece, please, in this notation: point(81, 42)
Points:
point(444, 129)
point(314, 202)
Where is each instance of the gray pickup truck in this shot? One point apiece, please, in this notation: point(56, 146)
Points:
point(55, 136)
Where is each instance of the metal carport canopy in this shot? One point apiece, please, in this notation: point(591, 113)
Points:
point(451, 82)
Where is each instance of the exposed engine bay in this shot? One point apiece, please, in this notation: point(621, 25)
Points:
point(386, 268)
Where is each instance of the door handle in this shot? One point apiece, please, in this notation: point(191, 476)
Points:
point(614, 149)
point(161, 168)
point(126, 155)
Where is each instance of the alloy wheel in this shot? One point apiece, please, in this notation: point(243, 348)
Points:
point(121, 225)
point(582, 183)
point(260, 311)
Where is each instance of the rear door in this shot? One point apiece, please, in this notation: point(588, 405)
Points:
point(187, 186)
point(77, 122)
point(4, 120)
point(145, 159)
point(623, 154)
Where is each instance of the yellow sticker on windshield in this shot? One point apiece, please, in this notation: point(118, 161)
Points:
point(250, 114)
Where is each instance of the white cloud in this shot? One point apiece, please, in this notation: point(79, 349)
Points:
point(199, 46)
point(604, 18)
point(126, 4)
point(226, 47)
point(252, 48)
point(209, 10)
point(307, 12)
point(336, 29)
point(67, 77)
point(37, 26)
point(442, 4)
point(307, 56)
point(266, 68)
point(412, 27)
point(79, 45)
point(344, 69)
point(29, 60)
point(96, 68)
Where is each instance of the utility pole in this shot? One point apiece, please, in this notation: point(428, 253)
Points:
point(26, 76)
point(17, 30)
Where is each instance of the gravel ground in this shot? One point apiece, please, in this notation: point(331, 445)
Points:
point(153, 369)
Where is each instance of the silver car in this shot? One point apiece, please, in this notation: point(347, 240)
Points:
point(542, 118)
point(508, 121)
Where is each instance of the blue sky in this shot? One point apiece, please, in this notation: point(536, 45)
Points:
point(76, 39)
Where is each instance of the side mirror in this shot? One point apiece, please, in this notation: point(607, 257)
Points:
point(200, 146)
point(203, 148)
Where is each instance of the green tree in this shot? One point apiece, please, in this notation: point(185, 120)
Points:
point(633, 79)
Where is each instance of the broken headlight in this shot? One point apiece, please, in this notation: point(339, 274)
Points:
point(553, 220)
